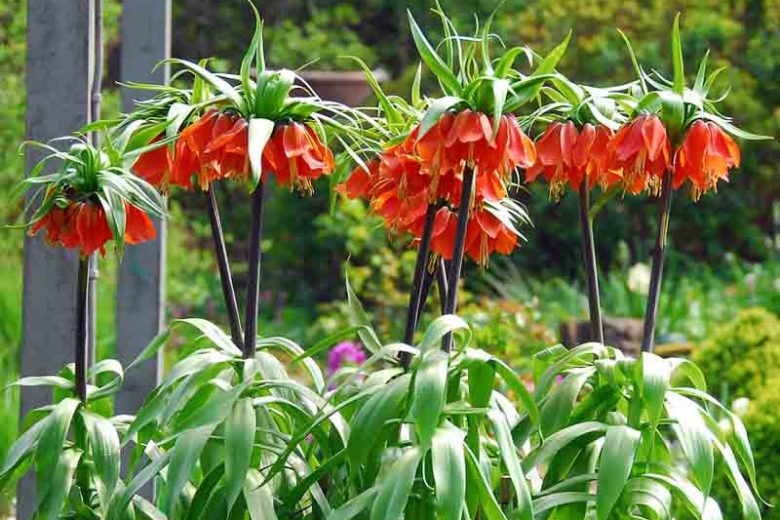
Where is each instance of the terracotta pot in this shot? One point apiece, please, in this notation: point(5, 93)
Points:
point(347, 87)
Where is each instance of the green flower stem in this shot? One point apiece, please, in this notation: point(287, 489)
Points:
point(457, 255)
point(228, 289)
point(81, 352)
point(415, 297)
point(253, 288)
point(591, 271)
point(657, 269)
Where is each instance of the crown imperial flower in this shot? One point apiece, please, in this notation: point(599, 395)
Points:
point(641, 151)
point(705, 157)
point(568, 156)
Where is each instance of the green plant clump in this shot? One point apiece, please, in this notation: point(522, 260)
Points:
point(742, 354)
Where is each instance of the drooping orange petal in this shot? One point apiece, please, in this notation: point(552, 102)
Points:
point(138, 226)
point(93, 230)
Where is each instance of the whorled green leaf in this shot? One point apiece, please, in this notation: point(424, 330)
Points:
point(440, 327)
point(429, 395)
point(449, 472)
point(354, 506)
point(559, 440)
point(22, 448)
point(239, 443)
point(656, 373)
point(259, 499)
point(694, 437)
point(368, 423)
point(556, 410)
point(60, 477)
point(487, 500)
point(184, 457)
point(615, 464)
point(396, 486)
point(51, 443)
point(104, 446)
point(511, 461)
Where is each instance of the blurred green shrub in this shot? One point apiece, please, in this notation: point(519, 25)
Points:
point(327, 36)
point(507, 329)
point(741, 355)
point(380, 270)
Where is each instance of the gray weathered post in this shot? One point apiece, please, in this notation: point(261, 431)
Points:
point(146, 29)
point(58, 74)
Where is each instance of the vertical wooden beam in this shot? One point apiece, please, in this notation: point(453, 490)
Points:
point(146, 40)
point(58, 72)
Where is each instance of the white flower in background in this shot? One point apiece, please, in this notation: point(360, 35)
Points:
point(750, 281)
point(740, 406)
point(777, 284)
point(639, 278)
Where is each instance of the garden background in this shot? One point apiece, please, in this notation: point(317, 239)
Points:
point(724, 248)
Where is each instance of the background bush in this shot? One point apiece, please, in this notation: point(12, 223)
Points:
point(740, 358)
point(744, 355)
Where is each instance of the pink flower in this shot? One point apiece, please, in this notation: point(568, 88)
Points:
point(346, 352)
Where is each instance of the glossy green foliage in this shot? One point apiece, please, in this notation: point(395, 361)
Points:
point(72, 448)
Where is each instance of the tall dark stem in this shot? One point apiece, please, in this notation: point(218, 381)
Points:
point(96, 98)
point(591, 270)
point(457, 255)
point(430, 273)
point(415, 297)
point(81, 352)
point(228, 290)
point(657, 269)
point(253, 289)
point(415, 303)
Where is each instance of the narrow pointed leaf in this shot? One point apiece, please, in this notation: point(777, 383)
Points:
point(430, 386)
point(260, 131)
point(449, 472)
point(440, 69)
point(677, 57)
point(239, 441)
point(394, 490)
point(615, 463)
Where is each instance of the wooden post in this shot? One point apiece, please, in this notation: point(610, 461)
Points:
point(58, 74)
point(146, 29)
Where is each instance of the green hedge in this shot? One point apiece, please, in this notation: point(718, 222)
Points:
point(740, 356)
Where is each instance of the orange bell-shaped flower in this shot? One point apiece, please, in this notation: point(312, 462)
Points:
point(640, 150)
point(705, 157)
point(190, 154)
point(138, 226)
point(155, 166)
point(296, 156)
point(568, 156)
point(92, 227)
point(226, 152)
